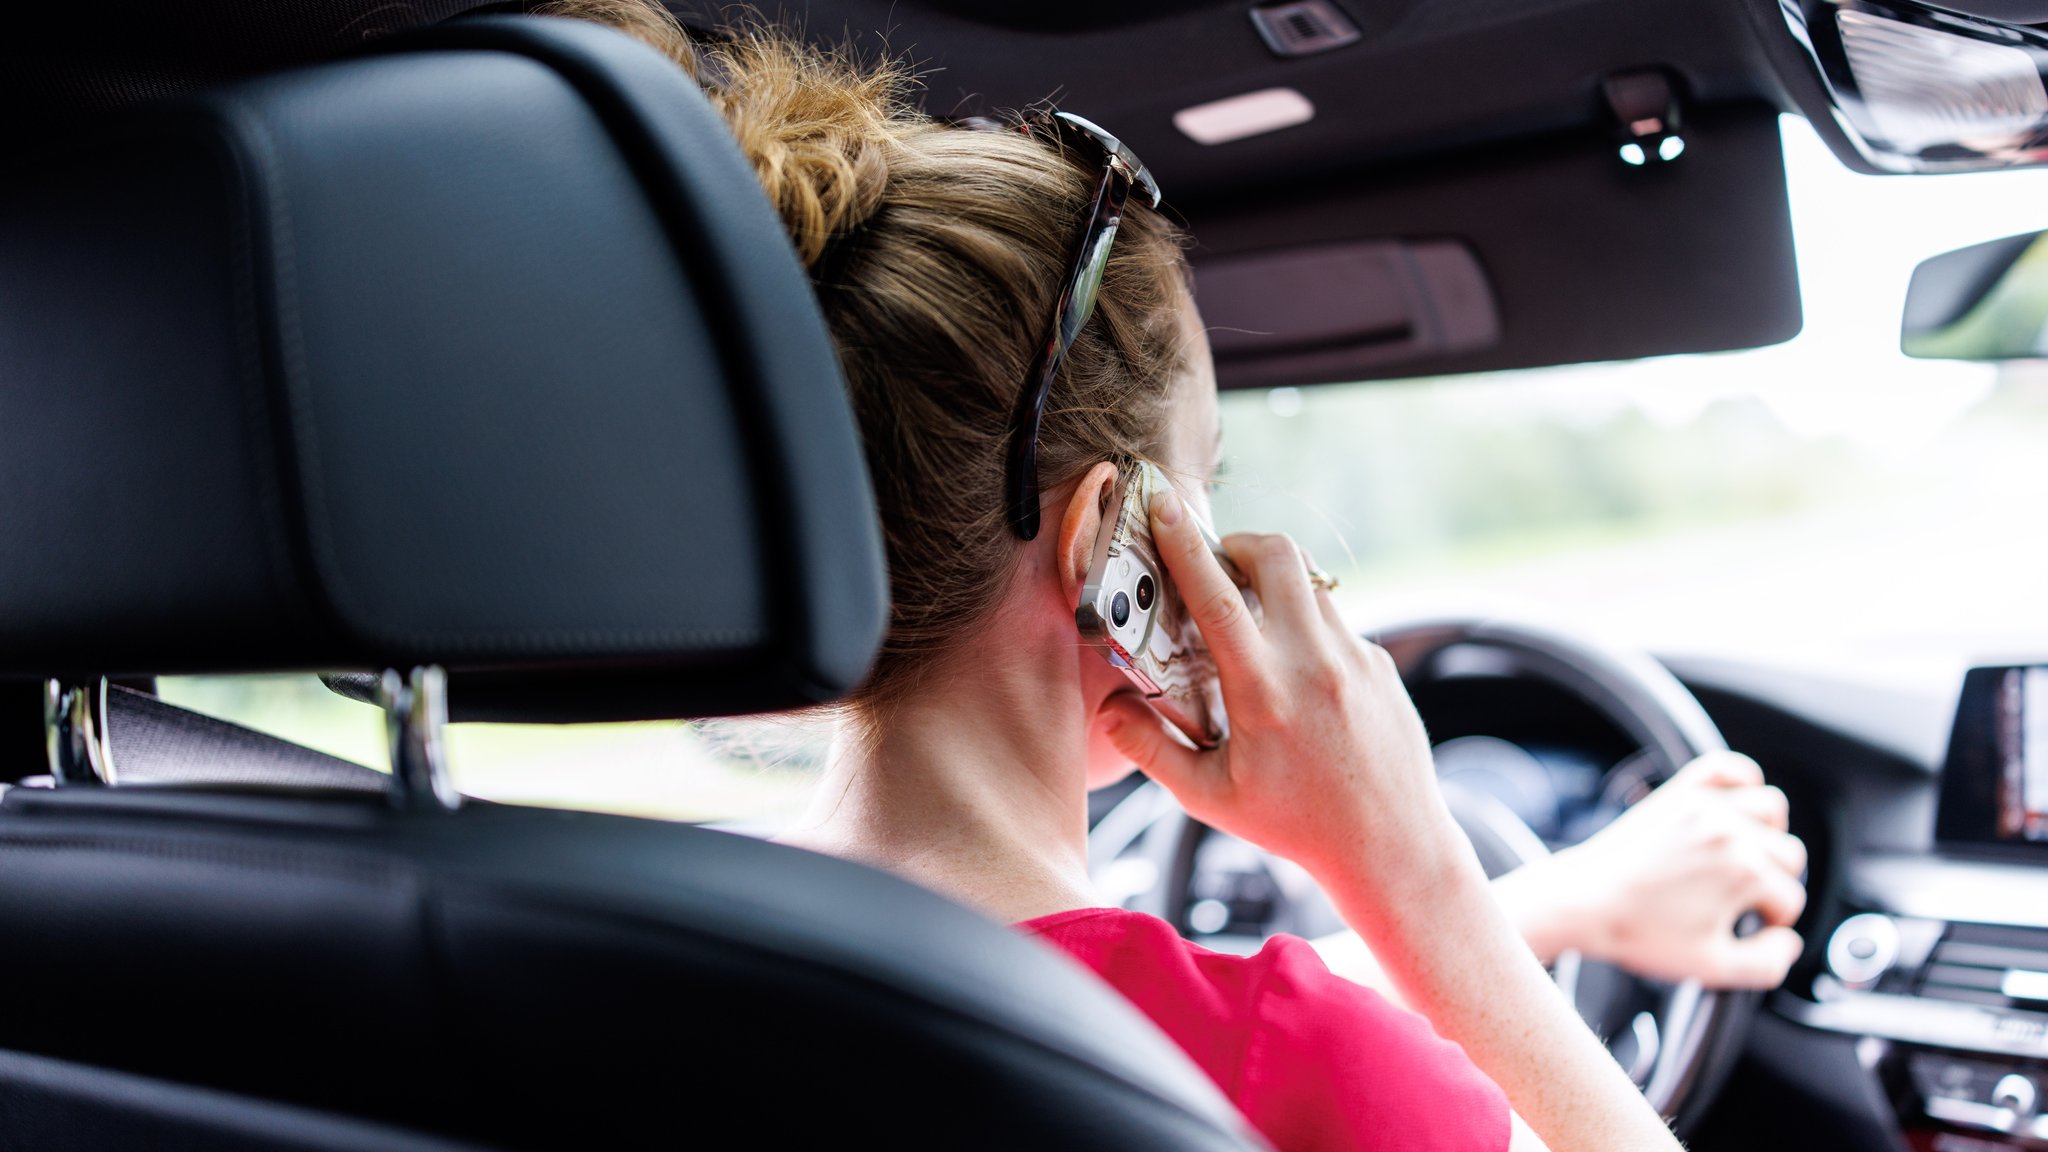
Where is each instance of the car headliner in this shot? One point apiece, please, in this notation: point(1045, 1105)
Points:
point(1433, 122)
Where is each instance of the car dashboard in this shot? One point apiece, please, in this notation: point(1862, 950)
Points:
point(1917, 1018)
point(1927, 952)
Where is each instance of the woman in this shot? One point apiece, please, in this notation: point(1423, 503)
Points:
point(942, 257)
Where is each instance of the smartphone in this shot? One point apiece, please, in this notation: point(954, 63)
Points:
point(1131, 612)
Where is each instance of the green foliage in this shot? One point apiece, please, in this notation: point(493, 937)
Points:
point(1372, 476)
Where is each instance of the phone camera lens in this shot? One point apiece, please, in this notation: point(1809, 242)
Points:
point(1145, 592)
point(1120, 610)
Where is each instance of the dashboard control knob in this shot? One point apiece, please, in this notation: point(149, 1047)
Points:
point(2016, 1092)
point(1863, 948)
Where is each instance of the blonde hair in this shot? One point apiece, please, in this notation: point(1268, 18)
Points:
point(938, 254)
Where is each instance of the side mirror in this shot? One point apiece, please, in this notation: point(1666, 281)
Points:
point(1985, 302)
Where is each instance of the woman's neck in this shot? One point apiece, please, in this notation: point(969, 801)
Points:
point(976, 788)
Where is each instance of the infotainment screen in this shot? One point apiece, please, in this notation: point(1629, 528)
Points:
point(1994, 789)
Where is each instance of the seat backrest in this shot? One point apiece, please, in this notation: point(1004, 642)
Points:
point(487, 353)
point(483, 351)
point(521, 978)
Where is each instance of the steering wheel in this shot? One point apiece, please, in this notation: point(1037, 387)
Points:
point(1678, 1042)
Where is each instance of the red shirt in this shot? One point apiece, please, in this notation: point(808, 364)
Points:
point(1313, 1060)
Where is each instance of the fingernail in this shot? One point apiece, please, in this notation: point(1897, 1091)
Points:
point(1166, 506)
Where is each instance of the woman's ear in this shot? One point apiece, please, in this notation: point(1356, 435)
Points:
point(1081, 523)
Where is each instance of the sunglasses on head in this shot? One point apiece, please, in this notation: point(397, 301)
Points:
point(1122, 172)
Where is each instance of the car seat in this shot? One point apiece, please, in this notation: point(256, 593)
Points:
point(480, 358)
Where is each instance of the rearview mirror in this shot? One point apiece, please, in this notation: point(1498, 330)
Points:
point(1985, 302)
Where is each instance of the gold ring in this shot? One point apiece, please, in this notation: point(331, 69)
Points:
point(1322, 580)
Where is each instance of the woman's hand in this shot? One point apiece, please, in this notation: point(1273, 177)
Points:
point(1658, 891)
point(1326, 763)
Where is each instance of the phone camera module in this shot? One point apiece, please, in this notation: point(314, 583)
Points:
point(1145, 592)
point(1120, 610)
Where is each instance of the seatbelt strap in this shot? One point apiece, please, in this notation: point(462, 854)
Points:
point(157, 743)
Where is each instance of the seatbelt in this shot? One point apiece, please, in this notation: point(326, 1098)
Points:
point(152, 742)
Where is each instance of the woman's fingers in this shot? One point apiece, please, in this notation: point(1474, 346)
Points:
point(1333, 619)
point(1722, 769)
point(1325, 603)
point(1757, 961)
point(1777, 896)
point(1143, 735)
point(1279, 575)
point(1212, 599)
point(1787, 852)
point(1738, 780)
point(1764, 804)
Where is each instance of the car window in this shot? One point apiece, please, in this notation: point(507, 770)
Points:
point(1826, 500)
point(753, 773)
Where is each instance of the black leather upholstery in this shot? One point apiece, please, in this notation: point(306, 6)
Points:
point(486, 351)
point(441, 923)
point(58, 1104)
point(537, 979)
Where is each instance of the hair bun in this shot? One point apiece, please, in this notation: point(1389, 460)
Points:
point(816, 126)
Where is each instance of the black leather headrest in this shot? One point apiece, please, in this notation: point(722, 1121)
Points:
point(485, 350)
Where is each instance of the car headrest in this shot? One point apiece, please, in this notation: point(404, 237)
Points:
point(485, 350)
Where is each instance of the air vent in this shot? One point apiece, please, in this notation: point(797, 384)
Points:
point(1304, 28)
point(1982, 964)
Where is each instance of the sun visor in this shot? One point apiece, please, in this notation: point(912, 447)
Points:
point(1556, 252)
point(1377, 302)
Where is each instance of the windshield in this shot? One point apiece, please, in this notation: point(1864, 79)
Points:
point(1825, 502)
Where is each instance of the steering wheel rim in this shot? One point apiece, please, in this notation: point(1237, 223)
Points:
point(1697, 1032)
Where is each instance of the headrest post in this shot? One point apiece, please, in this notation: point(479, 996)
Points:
point(75, 733)
point(415, 716)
